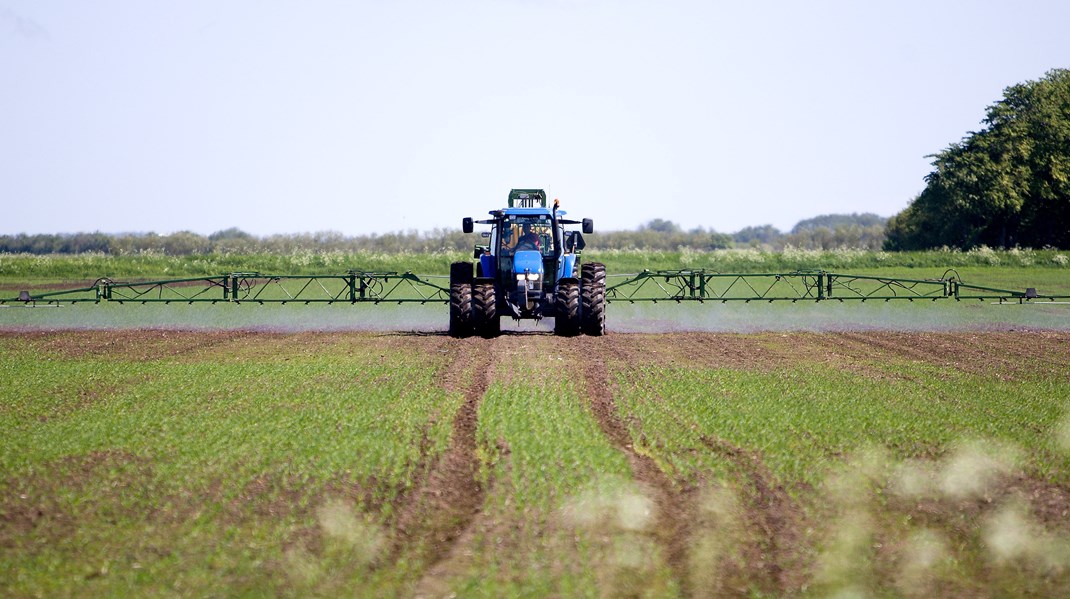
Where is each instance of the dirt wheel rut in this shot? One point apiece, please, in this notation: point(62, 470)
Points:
point(772, 516)
point(674, 509)
point(445, 505)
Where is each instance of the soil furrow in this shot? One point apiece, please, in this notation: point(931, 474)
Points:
point(674, 509)
point(445, 505)
point(1003, 355)
point(772, 515)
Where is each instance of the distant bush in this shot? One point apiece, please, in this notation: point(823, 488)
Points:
point(825, 232)
point(233, 241)
point(792, 258)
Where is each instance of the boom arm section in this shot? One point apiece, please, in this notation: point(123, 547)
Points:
point(355, 286)
point(801, 285)
point(358, 286)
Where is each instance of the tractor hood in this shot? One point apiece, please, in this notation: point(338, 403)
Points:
point(527, 261)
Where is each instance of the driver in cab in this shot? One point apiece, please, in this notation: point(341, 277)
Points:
point(529, 240)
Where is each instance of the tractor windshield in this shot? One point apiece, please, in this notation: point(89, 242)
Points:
point(527, 233)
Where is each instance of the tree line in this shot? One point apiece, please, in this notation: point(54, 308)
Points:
point(1007, 185)
point(856, 231)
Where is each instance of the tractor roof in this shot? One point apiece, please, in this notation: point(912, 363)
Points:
point(527, 198)
point(527, 202)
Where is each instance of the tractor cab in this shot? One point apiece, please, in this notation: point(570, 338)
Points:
point(522, 249)
point(512, 235)
point(526, 233)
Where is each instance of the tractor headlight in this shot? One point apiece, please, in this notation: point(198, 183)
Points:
point(521, 277)
point(533, 276)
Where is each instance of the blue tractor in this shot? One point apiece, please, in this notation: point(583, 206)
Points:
point(528, 269)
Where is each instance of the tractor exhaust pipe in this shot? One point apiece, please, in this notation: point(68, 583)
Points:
point(558, 249)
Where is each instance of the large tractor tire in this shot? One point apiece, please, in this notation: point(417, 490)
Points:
point(461, 317)
point(460, 272)
point(594, 273)
point(460, 310)
point(567, 319)
point(593, 298)
point(485, 310)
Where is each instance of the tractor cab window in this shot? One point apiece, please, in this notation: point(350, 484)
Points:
point(527, 233)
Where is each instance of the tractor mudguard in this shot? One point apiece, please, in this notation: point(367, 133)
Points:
point(486, 261)
point(567, 266)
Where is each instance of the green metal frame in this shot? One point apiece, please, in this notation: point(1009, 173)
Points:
point(800, 285)
point(355, 286)
point(537, 196)
point(358, 286)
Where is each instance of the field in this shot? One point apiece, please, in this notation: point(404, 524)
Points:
point(156, 462)
point(752, 450)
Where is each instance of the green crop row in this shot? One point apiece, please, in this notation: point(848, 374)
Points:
point(563, 515)
point(815, 415)
point(255, 466)
point(148, 463)
point(856, 452)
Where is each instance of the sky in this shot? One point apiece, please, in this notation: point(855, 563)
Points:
point(378, 116)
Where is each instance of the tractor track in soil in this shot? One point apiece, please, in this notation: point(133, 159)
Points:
point(772, 515)
point(436, 515)
point(675, 510)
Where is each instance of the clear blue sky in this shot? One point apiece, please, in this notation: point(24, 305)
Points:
point(377, 116)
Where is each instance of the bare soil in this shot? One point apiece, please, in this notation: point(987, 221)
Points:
point(1003, 354)
point(141, 345)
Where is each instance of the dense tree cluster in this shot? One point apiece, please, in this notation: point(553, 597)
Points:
point(836, 221)
point(1004, 186)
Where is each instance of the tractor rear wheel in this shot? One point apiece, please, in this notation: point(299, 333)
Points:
point(593, 296)
point(485, 310)
point(567, 319)
point(460, 310)
point(461, 299)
